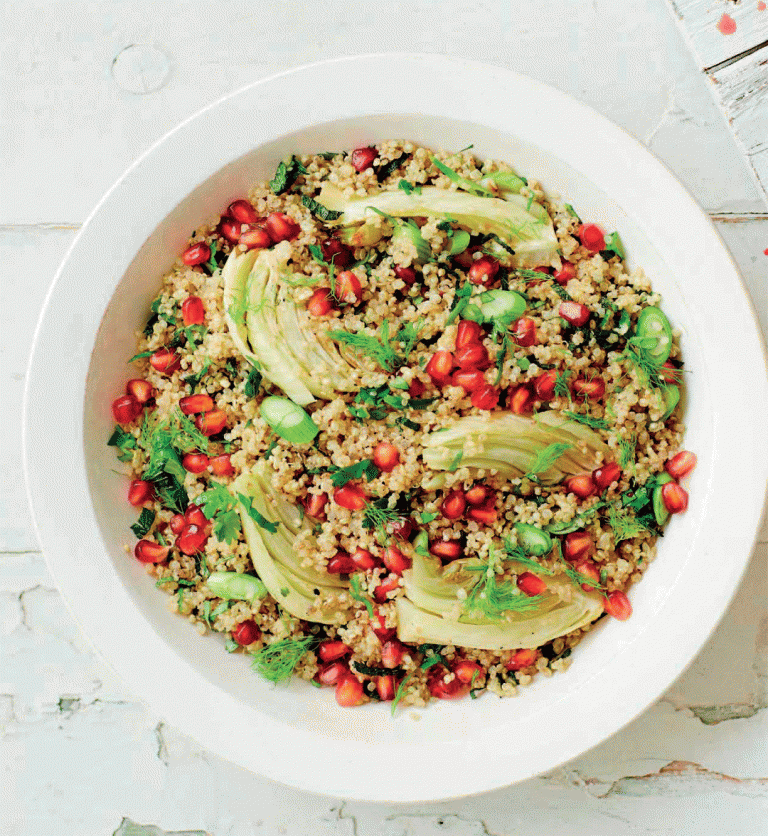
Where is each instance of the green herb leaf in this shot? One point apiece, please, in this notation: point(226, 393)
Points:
point(545, 458)
point(384, 171)
point(427, 517)
point(286, 175)
point(252, 383)
point(366, 468)
point(587, 420)
point(278, 661)
point(492, 599)
point(572, 211)
point(318, 210)
point(141, 355)
point(230, 645)
point(144, 523)
point(378, 348)
point(613, 246)
point(125, 442)
point(408, 188)
point(462, 182)
point(170, 492)
point(400, 693)
point(455, 462)
point(576, 523)
point(356, 592)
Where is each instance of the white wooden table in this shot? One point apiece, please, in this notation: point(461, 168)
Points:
point(78, 752)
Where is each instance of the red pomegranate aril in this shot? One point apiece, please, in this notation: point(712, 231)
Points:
point(177, 523)
point(524, 332)
point(315, 505)
point(349, 691)
point(470, 380)
point(523, 658)
point(195, 462)
point(330, 651)
point(193, 311)
point(362, 158)
point(565, 273)
point(674, 497)
point(139, 492)
point(321, 302)
point(255, 238)
point(467, 333)
point(531, 584)
point(222, 465)
point(472, 356)
point(140, 389)
point(484, 514)
point(467, 671)
point(618, 605)
point(192, 539)
point(483, 271)
point(364, 560)
point(382, 632)
point(395, 560)
point(582, 485)
point(165, 361)
point(341, 564)
point(392, 653)
point(331, 673)
point(211, 423)
point(577, 546)
point(445, 549)
point(670, 373)
point(416, 388)
point(439, 367)
point(407, 275)
point(194, 516)
point(592, 237)
point(389, 584)
point(386, 456)
point(194, 404)
point(606, 475)
point(589, 570)
point(545, 385)
point(478, 494)
point(401, 528)
point(486, 397)
point(125, 409)
point(246, 633)
point(196, 254)
point(336, 253)
point(520, 400)
point(386, 687)
point(681, 464)
point(348, 288)
point(574, 313)
point(147, 551)
point(453, 505)
point(242, 211)
point(281, 228)
point(230, 229)
point(442, 690)
point(593, 389)
point(350, 497)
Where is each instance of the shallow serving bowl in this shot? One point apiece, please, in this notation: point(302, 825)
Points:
point(294, 733)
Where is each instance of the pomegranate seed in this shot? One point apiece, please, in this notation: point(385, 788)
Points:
point(416, 388)
point(589, 570)
point(147, 551)
point(468, 332)
point(196, 254)
point(336, 253)
point(211, 423)
point(669, 373)
point(465, 260)
point(407, 275)
point(545, 385)
point(486, 397)
point(439, 367)
point(193, 311)
point(165, 361)
point(193, 404)
point(382, 632)
point(331, 674)
point(674, 497)
point(478, 495)
point(140, 389)
point(472, 356)
point(246, 633)
point(242, 211)
point(330, 651)
point(125, 409)
point(341, 564)
point(483, 270)
point(191, 540)
point(392, 653)
point(442, 690)
point(582, 485)
point(470, 380)
point(395, 560)
point(681, 464)
point(446, 549)
point(282, 228)
point(524, 332)
point(195, 516)
point(363, 158)
point(401, 528)
point(386, 456)
point(348, 288)
point(230, 229)
point(522, 658)
point(364, 560)
point(195, 462)
point(315, 505)
point(578, 545)
point(178, 523)
point(349, 691)
point(618, 605)
point(606, 475)
point(485, 514)
point(592, 237)
point(574, 313)
point(531, 584)
point(453, 505)
point(386, 687)
point(350, 497)
point(255, 238)
point(593, 389)
point(520, 400)
point(139, 492)
point(222, 465)
point(321, 302)
point(565, 273)
point(389, 584)
point(467, 671)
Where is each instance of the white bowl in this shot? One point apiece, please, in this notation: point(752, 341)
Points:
point(294, 733)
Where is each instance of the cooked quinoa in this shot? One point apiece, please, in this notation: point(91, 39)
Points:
point(376, 490)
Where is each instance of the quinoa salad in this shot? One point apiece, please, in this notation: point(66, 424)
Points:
point(402, 424)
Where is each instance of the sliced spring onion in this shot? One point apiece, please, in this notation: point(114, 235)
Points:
point(671, 397)
point(659, 509)
point(235, 586)
point(653, 323)
point(533, 540)
point(288, 420)
point(496, 306)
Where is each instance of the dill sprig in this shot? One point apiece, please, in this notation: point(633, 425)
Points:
point(624, 523)
point(380, 348)
point(588, 420)
point(546, 457)
point(575, 576)
point(357, 593)
point(378, 515)
point(278, 661)
point(519, 556)
point(638, 353)
point(492, 599)
point(627, 448)
point(561, 388)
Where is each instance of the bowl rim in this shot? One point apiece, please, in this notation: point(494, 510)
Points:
point(68, 559)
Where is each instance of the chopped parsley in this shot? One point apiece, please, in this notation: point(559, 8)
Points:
point(278, 661)
point(193, 380)
point(253, 513)
point(460, 301)
point(252, 383)
point(427, 517)
point(286, 174)
point(342, 475)
point(125, 443)
point(218, 504)
point(144, 523)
